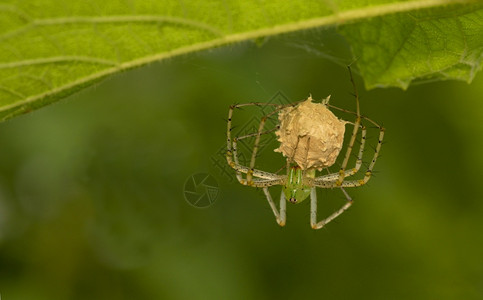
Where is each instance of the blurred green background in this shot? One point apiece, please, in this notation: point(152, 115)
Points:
point(92, 205)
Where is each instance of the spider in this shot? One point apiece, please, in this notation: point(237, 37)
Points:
point(307, 150)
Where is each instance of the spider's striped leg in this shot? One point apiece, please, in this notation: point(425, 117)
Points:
point(331, 177)
point(335, 176)
point(265, 183)
point(242, 169)
point(231, 154)
point(360, 154)
point(257, 137)
point(280, 216)
point(367, 175)
point(313, 209)
point(353, 136)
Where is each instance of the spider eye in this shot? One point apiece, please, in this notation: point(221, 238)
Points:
point(293, 200)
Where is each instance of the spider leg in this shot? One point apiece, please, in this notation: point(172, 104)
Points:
point(330, 180)
point(353, 113)
point(245, 170)
point(279, 216)
point(335, 176)
point(263, 120)
point(367, 175)
point(353, 136)
point(359, 155)
point(260, 183)
point(231, 154)
point(313, 209)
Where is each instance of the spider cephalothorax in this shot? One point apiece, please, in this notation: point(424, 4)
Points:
point(311, 138)
point(295, 188)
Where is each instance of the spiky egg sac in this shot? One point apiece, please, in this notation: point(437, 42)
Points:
point(310, 134)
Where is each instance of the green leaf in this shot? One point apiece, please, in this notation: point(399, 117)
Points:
point(441, 43)
point(50, 49)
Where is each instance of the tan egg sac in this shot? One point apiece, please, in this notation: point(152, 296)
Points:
point(313, 131)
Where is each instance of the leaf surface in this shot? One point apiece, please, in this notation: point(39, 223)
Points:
point(50, 49)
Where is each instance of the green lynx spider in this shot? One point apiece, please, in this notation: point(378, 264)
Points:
point(298, 184)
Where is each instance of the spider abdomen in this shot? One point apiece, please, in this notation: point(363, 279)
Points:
point(310, 134)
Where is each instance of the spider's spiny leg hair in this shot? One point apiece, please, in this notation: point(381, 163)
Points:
point(375, 127)
point(353, 94)
point(374, 148)
point(365, 164)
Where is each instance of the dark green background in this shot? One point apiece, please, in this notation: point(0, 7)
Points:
point(91, 189)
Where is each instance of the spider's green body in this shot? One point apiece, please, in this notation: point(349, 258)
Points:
point(296, 190)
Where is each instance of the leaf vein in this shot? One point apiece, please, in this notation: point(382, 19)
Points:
point(112, 20)
point(12, 92)
point(57, 59)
